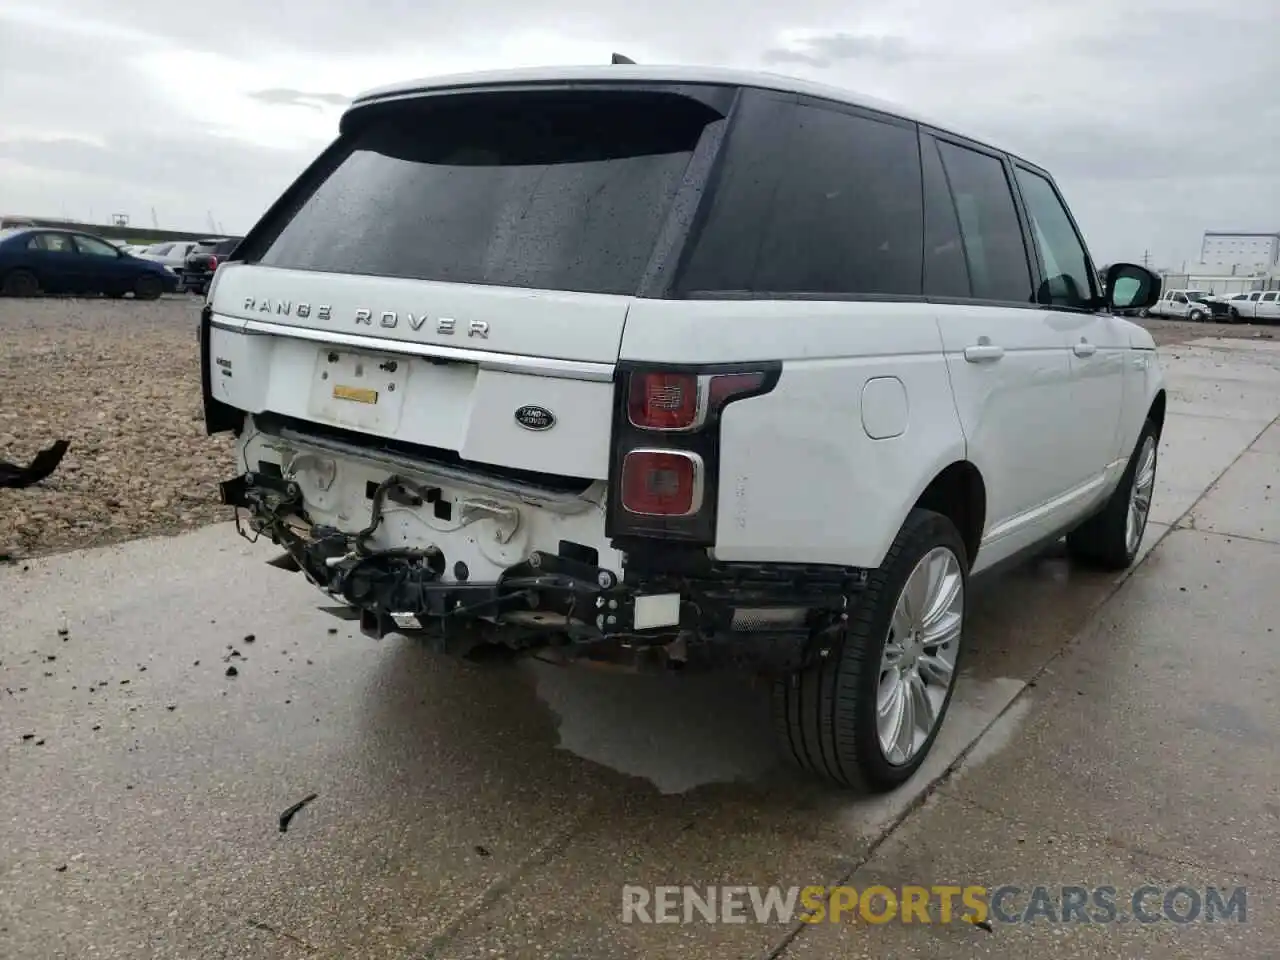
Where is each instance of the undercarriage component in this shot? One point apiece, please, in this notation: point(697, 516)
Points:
point(773, 618)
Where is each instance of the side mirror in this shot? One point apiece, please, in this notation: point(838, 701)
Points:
point(1131, 287)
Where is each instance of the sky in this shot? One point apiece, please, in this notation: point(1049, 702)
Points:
point(1159, 119)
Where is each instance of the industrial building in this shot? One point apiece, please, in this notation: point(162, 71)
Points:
point(1238, 249)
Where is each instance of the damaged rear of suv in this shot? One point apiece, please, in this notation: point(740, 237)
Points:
point(525, 360)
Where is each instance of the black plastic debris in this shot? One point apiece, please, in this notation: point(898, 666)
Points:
point(232, 672)
point(15, 476)
point(289, 814)
point(249, 638)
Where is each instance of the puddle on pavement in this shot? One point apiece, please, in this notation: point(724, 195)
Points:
point(678, 732)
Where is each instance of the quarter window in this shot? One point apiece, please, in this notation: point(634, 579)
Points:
point(1063, 262)
point(994, 249)
point(811, 201)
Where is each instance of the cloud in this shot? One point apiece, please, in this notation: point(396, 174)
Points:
point(824, 50)
point(125, 106)
point(284, 96)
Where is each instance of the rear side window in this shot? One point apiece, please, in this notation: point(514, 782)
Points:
point(551, 191)
point(226, 247)
point(994, 248)
point(811, 201)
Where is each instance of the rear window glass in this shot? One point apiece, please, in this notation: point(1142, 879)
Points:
point(563, 192)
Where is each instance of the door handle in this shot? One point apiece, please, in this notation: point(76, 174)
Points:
point(1084, 349)
point(983, 353)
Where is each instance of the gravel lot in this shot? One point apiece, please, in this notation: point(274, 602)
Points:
point(120, 380)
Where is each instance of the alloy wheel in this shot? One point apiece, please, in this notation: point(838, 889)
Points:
point(917, 665)
point(1144, 481)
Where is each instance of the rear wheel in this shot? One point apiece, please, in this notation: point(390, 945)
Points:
point(866, 715)
point(20, 283)
point(1111, 539)
point(147, 288)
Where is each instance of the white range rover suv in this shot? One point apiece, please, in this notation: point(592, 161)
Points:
point(681, 367)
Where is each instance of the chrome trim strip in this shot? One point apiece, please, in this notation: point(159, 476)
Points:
point(485, 359)
point(699, 475)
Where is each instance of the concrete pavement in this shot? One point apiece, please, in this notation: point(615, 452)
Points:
point(468, 811)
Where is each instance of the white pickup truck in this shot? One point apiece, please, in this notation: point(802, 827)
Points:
point(682, 367)
point(1196, 305)
point(1261, 305)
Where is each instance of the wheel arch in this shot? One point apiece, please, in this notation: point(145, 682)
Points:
point(959, 493)
point(1156, 411)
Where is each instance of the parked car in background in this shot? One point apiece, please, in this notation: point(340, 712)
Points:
point(173, 254)
point(1194, 305)
point(36, 260)
point(203, 260)
point(1259, 305)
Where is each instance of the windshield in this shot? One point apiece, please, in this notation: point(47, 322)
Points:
point(550, 191)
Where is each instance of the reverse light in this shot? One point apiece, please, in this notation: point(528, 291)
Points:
point(662, 483)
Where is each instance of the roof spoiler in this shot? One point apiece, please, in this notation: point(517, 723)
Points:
point(619, 58)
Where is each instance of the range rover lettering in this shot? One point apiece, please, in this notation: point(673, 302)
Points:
point(814, 363)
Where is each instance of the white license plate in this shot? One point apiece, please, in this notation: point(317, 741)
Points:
point(358, 390)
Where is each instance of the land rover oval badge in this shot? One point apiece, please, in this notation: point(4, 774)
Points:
point(533, 417)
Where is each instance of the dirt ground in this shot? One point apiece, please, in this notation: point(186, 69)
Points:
point(1180, 331)
point(120, 380)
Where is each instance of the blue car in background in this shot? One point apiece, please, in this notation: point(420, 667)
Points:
point(40, 260)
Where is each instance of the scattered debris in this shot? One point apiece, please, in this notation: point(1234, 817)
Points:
point(483, 851)
point(40, 742)
point(172, 706)
point(44, 463)
point(63, 631)
point(61, 869)
point(292, 811)
point(28, 736)
point(249, 638)
point(232, 672)
point(97, 726)
point(985, 925)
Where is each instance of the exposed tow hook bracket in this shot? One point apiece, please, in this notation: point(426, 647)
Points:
point(506, 515)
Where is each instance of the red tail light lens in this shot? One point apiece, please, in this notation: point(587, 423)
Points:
point(663, 401)
point(662, 483)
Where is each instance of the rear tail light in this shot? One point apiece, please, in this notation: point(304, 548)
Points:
point(666, 449)
point(683, 401)
point(661, 483)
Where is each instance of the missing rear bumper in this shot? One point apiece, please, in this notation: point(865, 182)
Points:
point(763, 617)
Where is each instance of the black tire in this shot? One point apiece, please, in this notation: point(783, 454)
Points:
point(20, 283)
point(204, 289)
point(1233, 316)
point(1103, 540)
point(825, 715)
point(1196, 316)
point(1144, 313)
point(148, 288)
